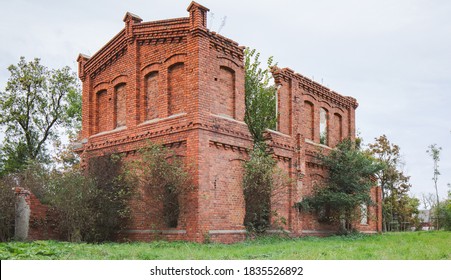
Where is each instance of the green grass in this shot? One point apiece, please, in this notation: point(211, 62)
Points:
point(389, 246)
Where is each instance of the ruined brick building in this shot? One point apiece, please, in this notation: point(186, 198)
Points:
point(177, 83)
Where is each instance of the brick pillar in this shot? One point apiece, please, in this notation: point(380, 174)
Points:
point(22, 219)
point(379, 208)
point(86, 112)
point(133, 86)
point(351, 119)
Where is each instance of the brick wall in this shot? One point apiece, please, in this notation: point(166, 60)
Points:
point(42, 220)
point(184, 87)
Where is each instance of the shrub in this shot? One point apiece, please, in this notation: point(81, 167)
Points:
point(110, 205)
point(347, 186)
point(71, 196)
point(264, 184)
point(164, 176)
point(91, 204)
point(443, 212)
point(7, 208)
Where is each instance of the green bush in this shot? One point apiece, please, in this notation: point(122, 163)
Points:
point(165, 178)
point(347, 186)
point(7, 208)
point(264, 185)
point(72, 195)
point(88, 205)
point(257, 187)
point(444, 213)
point(92, 204)
point(110, 206)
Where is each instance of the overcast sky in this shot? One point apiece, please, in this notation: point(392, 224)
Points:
point(394, 57)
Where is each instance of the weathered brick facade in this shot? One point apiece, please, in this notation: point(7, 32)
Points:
point(177, 83)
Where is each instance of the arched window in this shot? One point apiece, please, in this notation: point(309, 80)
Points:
point(323, 126)
point(309, 112)
point(101, 111)
point(337, 128)
point(176, 88)
point(120, 108)
point(151, 95)
point(363, 214)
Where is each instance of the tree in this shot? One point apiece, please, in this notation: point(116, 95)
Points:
point(36, 102)
point(427, 200)
point(406, 209)
point(394, 184)
point(260, 96)
point(434, 153)
point(445, 211)
point(347, 187)
point(263, 181)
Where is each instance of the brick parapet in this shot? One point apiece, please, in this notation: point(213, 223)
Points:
point(314, 88)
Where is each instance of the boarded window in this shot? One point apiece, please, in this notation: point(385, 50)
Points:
point(308, 109)
point(151, 97)
point(323, 129)
point(120, 105)
point(101, 111)
point(176, 88)
point(225, 99)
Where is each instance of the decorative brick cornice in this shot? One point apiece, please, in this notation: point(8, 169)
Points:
point(95, 145)
point(269, 139)
point(282, 158)
point(226, 130)
point(110, 52)
point(314, 165)
point(156, 40)
point(171, 31)
point(226, 46)
point(153, 32)
point(312, 153)
point(225, 146)
point(314, 88)
point(170, 145)
point(107, 61)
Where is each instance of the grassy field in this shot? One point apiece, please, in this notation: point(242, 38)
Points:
point(388, 246)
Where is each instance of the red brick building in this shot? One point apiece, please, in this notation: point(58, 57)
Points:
point(177, 83)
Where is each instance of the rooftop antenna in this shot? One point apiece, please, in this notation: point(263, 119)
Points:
point(211, 20)
point(223, 23)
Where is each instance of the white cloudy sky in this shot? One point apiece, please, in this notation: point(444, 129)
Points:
point(393, 56)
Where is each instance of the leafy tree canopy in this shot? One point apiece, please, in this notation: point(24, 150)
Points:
point(397, 207)
point(36, 102)
point(350, 178)
point(260, 96)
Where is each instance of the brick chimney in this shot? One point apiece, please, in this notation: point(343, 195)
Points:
point(130, 20)
point(197, 15)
